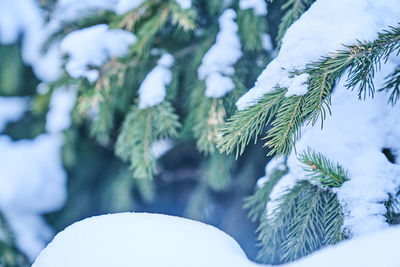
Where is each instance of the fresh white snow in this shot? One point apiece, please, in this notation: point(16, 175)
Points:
point(354, 136)
point(160, 147)
point(124, 6)
point(217, 65)
point(70, 10)
point(154, 240)
point(322, 29)
point(152, 91)
point(376, 249)
point(357, 131)
point(259, 6)
point(185, 4)
point(92, 47)
point(11, 109)
point(24, 20)
point(61, 104)
point(142, 239)
point(266, 42)
point(40, 186)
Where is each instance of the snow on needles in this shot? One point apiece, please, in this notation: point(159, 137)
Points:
point(152, 91)
point(354, 136)
point(154, 240)
point(357, 131)
point(259, 6)
point(322, 29)
point(217, 65)
point(92, 47)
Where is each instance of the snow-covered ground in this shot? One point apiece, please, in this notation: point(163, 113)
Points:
point(154, 240)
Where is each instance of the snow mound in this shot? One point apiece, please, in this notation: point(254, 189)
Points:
point(154, 240)
point(322, 29)
point(377, 249)
point(142, 239)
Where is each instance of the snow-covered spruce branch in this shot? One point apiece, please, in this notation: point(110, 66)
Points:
point(361, 61)
point(303, 219)
point(293, 10)
point(322, 170)
point(248, 123)
point(153, 16)
point(141, 128)
point(392, 86)
point(252, 28)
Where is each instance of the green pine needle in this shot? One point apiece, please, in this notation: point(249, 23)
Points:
point(322, 170)
point(306, 219)
point(249, 123)
point(141, 128)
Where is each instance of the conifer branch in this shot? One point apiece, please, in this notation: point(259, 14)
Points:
point(286, 126)
point(141, 128)
point(217, 171)
point(306, 219)
point(251, 29)
point(361, 60)
point(392, 86)
point(258, 201)
point(322, 170)
point(294, 9)
point(249, 123)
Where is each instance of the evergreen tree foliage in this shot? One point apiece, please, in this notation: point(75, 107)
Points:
point(209, 171)
point(361, 60)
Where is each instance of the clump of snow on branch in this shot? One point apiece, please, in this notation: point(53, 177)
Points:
point(266, 42)
point(128, 239)
point(92, 47)
point(69, 10)
point(24, 19)
point(152, 91)
point(160, 147)
point(61, 104)
point(259, 6)
point(322, 29)
point(40, 186)
point(277, 163)
point(125, 6)
point(185, 4)
point(11, 109)
point(217, 65)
